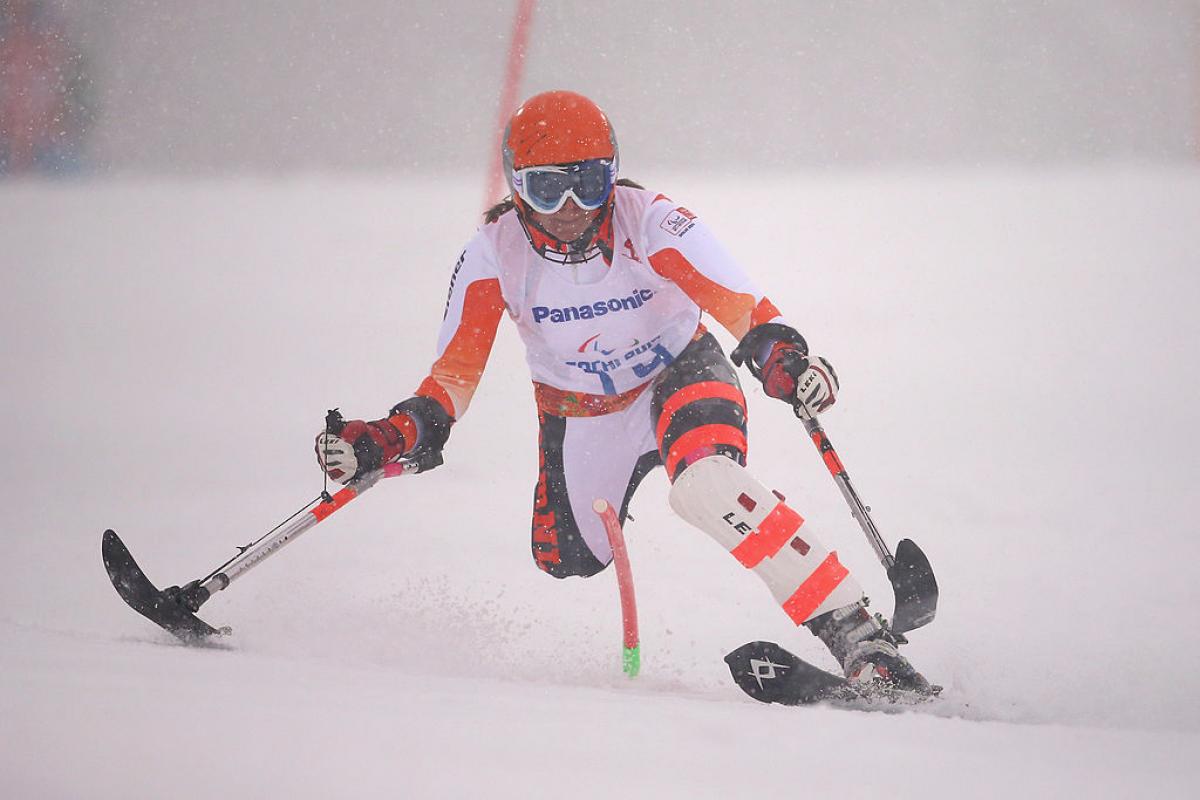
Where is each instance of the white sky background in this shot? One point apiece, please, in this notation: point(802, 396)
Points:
point(277, 84)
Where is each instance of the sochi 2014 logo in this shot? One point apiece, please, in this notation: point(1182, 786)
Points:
point(593, 344)
point(600, 361)
point(678, 222)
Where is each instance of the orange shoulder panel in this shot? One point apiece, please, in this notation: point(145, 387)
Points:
point(455, 375)
point(737, 311)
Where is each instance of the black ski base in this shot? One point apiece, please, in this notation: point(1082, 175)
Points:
point(164, 608)
point(770, 674)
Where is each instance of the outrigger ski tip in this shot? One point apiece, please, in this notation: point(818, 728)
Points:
point(915, 587)
point(164, 608)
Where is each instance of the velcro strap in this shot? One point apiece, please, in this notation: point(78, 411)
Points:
point(407, 429)
point(769, 537)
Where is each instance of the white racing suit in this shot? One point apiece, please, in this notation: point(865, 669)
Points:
point(626, 378)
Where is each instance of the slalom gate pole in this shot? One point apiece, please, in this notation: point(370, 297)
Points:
point(631, 657)
point(508, 92)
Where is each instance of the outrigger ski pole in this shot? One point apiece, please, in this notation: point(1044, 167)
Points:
point(908, 571)
point(175, 607)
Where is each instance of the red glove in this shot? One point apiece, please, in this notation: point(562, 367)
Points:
point(361, 447)
point(807, 382)
point(778, 356)
point(783, 365)
point(417, 427)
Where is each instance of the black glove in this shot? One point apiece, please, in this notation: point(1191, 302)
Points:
point(778, 356)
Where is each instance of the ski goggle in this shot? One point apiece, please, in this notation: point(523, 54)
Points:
point(546, 188)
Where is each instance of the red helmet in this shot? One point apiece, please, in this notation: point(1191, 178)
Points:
point(560, 127)
point(557, 127)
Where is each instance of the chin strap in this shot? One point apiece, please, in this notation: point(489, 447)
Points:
point(599, 234)
point(596, 239)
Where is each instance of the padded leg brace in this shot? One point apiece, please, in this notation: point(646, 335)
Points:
point(721, 498)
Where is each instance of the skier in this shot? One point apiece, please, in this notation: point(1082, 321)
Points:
point(606, 282)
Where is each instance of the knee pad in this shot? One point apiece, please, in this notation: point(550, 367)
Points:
point(721, 498)
point(699, 408)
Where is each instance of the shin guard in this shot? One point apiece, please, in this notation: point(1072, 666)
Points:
point(721, 498)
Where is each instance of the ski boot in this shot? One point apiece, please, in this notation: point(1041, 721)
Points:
point(868, 653)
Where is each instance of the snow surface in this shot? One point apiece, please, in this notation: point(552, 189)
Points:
point(1018, 396)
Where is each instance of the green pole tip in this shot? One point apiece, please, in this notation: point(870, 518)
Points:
point(632, 660)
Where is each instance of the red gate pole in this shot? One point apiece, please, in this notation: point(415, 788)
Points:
point(508, 94)
point(631, 660)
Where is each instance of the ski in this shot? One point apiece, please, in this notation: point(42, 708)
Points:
point(770, 674)
point(165, 608)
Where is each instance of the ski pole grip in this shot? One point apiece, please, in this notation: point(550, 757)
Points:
point(334, 422)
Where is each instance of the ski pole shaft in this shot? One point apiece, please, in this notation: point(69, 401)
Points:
point(255, 555)
point(858, 509)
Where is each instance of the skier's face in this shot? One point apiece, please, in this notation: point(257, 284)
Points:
point(568, 223)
